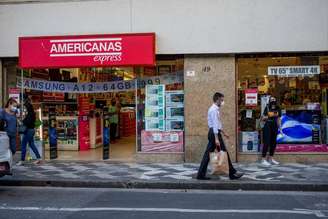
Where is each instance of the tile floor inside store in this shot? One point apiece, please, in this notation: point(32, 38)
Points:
point(124, 150)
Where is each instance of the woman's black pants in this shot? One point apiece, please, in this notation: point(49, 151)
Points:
point(270, 132)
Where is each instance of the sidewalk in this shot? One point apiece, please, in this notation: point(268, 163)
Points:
point(291, 177)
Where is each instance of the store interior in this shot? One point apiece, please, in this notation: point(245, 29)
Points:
point(302, 98)
point(79, 117)
point(78, 139)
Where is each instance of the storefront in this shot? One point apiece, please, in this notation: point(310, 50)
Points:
point(166, 121)
point(194, 57)
point(299, 82)
point(75, 81)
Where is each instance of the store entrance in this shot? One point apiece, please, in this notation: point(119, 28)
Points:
point(74, 97)
point(80, 118)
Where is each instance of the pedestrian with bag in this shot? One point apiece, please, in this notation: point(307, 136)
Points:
point(9, 117)
point(215, 139)
point(271, 117)
point(29, 132)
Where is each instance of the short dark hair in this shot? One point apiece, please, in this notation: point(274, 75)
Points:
point(216, 96)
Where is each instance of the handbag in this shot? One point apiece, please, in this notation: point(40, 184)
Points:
point(219, 162)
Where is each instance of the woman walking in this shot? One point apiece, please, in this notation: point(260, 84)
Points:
point(9, 116)
point(28, 135)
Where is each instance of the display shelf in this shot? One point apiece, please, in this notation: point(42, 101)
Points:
point(59, 103)
point(96, 132)
point(62, 118)
point(67, 127)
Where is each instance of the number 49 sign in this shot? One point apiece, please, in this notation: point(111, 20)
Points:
point(251, 97)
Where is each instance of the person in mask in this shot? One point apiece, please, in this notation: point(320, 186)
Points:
point(215, 138)
point(9, 116)
point(271, 116)
point(28, 136)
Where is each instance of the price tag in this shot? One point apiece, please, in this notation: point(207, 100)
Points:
point(174, 138)
point(157, 137)
point(249, 114)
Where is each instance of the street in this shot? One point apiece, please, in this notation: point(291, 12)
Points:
point(33, 202)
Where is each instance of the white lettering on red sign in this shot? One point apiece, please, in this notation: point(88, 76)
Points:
point(101, 49)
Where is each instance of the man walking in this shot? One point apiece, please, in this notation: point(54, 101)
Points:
point(215, 139)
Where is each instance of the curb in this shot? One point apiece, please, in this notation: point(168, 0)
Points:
point(184, 185)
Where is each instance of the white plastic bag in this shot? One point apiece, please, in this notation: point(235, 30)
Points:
point(219, 163)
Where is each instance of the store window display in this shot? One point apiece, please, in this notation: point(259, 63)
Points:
point(79, 116)
point(160, 108)
point(298, 83)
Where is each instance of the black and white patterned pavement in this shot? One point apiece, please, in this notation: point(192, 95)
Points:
point(65, 170)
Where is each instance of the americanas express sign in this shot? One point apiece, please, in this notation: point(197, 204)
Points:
point(87, 50)
point(294, 71)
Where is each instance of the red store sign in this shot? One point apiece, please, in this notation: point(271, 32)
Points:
point(251, 97)
point(87, 50)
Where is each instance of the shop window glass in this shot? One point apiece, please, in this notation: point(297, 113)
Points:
point(79, 117)
point(300, 85)
point(160, 107)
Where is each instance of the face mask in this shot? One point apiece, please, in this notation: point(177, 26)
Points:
point(273, 105)
point(13, 109)
point(222, 103)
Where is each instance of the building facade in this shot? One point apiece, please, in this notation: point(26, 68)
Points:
point(226, 46)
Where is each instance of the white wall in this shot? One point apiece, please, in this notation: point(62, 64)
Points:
point(181, 26)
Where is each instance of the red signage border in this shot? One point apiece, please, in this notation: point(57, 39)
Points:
point(100, 50)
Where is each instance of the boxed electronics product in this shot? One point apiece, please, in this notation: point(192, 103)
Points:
point(154, 112)
point(174, 124)
point(175, 112)
point(155, 124)
point(249, 141)
point(174, 98)
point(155, 108)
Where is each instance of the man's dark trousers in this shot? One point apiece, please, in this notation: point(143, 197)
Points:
point(210, 148)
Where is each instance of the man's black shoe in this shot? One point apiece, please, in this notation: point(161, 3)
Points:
point(203, 178)
point(236, 176)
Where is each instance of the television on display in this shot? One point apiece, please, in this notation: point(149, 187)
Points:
point(300, 126)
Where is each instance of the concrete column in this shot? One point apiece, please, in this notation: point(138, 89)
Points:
point(203, 77)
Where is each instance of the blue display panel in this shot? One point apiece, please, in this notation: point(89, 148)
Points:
point(300, 126)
